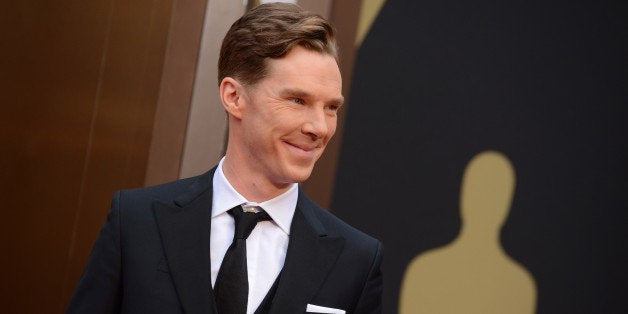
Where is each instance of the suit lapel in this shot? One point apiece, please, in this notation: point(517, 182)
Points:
point(311, 255)
point(185, 228)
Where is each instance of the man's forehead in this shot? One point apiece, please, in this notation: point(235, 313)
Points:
point(301, 51)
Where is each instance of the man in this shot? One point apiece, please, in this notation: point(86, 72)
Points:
point(180, 247)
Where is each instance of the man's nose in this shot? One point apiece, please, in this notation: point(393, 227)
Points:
point(316, 123)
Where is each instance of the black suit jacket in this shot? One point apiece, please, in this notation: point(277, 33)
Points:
point(152, 256)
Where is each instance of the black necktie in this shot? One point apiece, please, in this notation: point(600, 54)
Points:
point(232, 285)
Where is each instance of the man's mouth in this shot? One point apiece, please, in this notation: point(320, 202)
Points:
point(303, 149)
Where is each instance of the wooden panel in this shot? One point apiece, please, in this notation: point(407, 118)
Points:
point(175, 95)
point(50, 64)
point(205, 134)
point(126, 103)
point(80, 82)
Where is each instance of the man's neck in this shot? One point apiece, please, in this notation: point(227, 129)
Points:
point(253, 187)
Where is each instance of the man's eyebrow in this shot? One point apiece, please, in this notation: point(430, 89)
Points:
point(301, 93)
point(338, 101)
point(295, 92)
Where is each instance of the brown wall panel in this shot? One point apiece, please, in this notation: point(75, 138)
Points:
point(175, 94)
point(49, 85)
point(80, 82)
point(123, 124)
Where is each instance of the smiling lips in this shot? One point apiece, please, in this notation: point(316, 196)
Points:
point(306, 149)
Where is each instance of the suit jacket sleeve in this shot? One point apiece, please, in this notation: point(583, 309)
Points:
point(99, 289)
point(371, 298)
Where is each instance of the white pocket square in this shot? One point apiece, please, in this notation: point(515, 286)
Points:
point(311, 308)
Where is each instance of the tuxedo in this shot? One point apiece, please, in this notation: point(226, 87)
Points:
point(153, 256)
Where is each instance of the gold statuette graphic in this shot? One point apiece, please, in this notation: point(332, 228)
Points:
point(473, 274)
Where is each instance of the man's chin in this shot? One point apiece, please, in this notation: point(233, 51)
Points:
point(300, 174)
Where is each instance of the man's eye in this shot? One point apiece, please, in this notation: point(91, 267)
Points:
point(297, 100)
point(333, 107)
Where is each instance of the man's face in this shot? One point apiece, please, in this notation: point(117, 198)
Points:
point(290, 115)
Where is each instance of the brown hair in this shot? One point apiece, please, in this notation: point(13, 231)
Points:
point(271, 31)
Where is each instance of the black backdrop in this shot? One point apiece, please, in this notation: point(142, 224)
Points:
point(544, 82)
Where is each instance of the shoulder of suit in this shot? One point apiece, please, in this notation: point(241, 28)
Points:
point(338, 227)
point(169, 192)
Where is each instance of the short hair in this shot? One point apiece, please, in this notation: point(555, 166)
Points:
point(270, 31)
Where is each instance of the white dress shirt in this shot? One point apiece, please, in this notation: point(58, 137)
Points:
point(266, 246)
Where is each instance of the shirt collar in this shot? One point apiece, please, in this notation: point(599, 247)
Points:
point(280, 209)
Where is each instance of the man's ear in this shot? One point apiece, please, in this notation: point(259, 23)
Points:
point(232, 96)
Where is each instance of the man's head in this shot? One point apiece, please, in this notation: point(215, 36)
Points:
point(281, 87)
point(270, 31)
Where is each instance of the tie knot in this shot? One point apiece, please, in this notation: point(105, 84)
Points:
point(246, 217)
